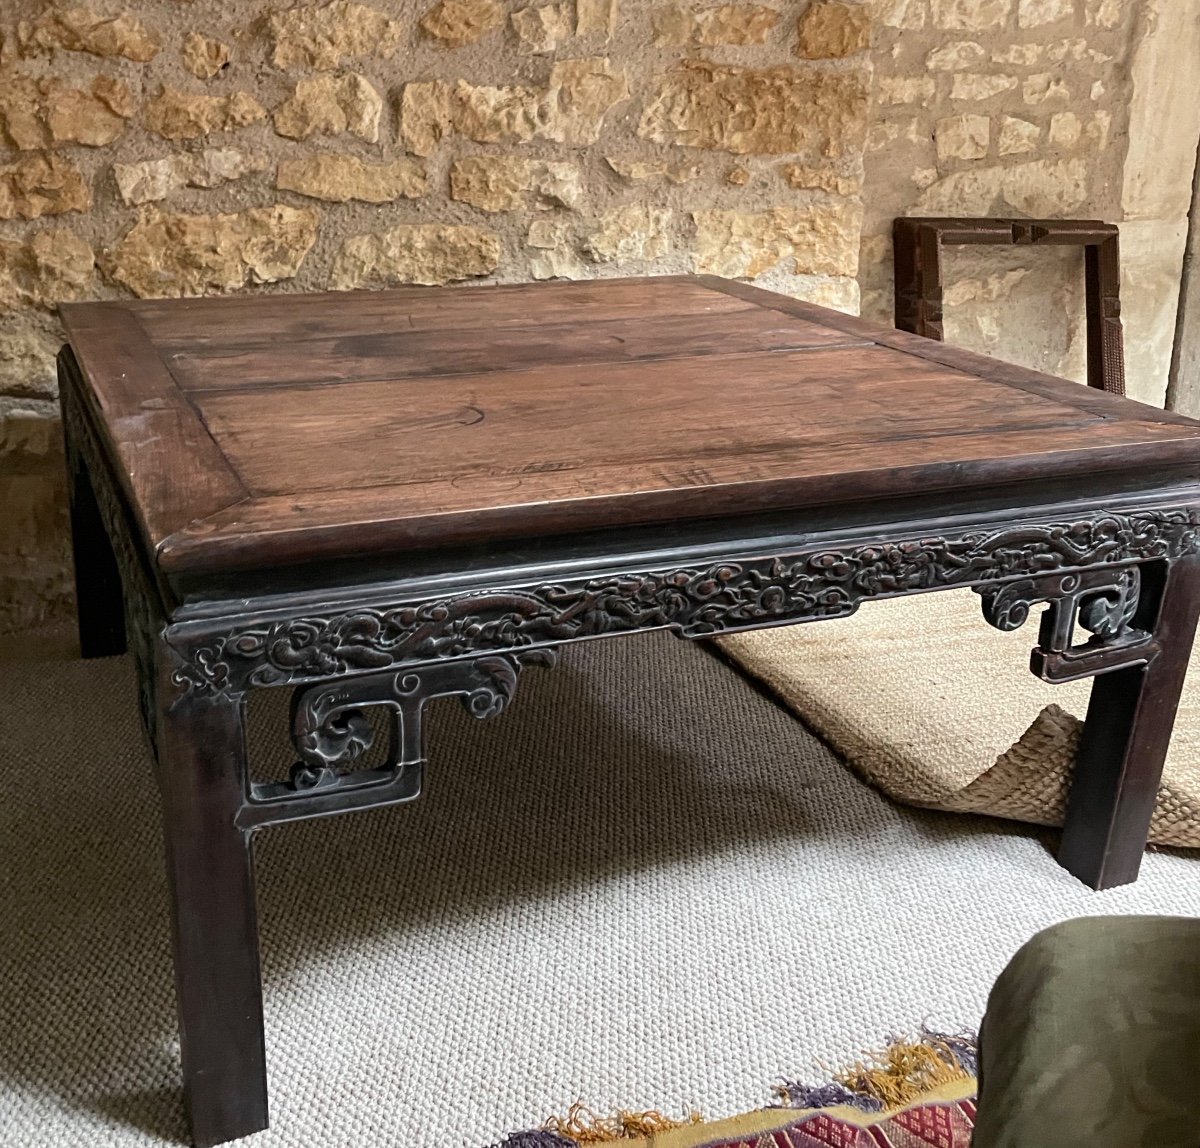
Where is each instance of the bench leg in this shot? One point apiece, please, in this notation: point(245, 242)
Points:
point(1125, 738)
point(98, 601)
point(202, 765)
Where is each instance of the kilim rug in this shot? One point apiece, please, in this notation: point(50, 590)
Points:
point(934, 707)
point(915, 1094)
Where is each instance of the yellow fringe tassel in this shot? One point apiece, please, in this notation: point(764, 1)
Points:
point(584, 1126)
point(903, 1072)
point(900, 1074)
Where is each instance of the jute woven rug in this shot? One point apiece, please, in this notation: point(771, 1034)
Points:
point(646, 885)
point(933, 706)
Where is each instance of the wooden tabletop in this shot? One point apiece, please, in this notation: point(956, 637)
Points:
point(254, 431)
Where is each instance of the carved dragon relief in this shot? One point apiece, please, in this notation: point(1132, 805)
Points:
point(331, 730)
point(694, 601)
point(1103, 601)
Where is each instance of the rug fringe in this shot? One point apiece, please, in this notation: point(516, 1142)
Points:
point(583, 1126)
point(903, 1072)
point(539, 1138)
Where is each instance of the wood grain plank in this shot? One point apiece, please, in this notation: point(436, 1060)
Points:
point(445, 351)
point(170, 466)
point(1089, 399)
point(279, 529)
point(270, 319)
point(714, 413)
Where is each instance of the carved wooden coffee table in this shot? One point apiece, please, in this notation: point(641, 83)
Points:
point(376, 499)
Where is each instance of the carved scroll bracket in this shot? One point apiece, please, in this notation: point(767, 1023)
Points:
point(1102, 601)
point(331, 730)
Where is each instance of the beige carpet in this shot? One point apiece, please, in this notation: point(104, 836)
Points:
point(646, 885)
point(936, 708)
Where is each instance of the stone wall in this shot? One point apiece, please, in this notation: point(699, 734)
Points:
point(203, 146)
point(998, 109)
point(1067, 108)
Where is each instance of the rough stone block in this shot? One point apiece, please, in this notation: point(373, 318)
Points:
point(167, 254)
point(979, 86)
point(972, 15)
point(635, 231)
point(203, 57)
point(570, 110)
point(1045, 87)
point(833, 29)
point(82, 29)
point(29, 342)
point(41, 183)
point(53, 266)
point(956, 55)
point(1017, 136)
point(150, 180)
point(323, 36)
point(330, 105)
point(806, 178)
point(962, 137)
point(1040, 188)
point(581, 94)
point(337, 178)
point(679, 26)
point(179, 115)
point(1046, 188)
point(1034, 13)
point(1105, 13)
point(633, 169)
point(40, 113)
point(424, 115)
point(458, 22)
point(1018, 55)
point(907, 14)
point(554, 253)
point(773, 111)
point(821, 240)
point(428, 253)
point(541, 29)
point(905, 90)
point(595, 17)
point(1065, 130)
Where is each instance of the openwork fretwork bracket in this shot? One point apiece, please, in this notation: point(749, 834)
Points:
point(1104, 602)
point(331, 730)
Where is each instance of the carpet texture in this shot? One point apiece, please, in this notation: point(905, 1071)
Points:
point(644, 886)
point(932, 705)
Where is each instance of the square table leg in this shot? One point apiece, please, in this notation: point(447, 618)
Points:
point(98, 601)
point(210, 867)
point(1126, 735)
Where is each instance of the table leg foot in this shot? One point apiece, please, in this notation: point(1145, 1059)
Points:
point(1126, 735)
point(201, 750)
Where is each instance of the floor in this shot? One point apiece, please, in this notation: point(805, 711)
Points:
point(644, 885)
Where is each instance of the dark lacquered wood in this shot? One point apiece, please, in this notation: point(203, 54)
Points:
point(210, 872)
point(99, 603)
point(386, 497)
point(399, 421)
point(1126, 737)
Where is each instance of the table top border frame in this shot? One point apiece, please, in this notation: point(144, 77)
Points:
point(226, 492)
